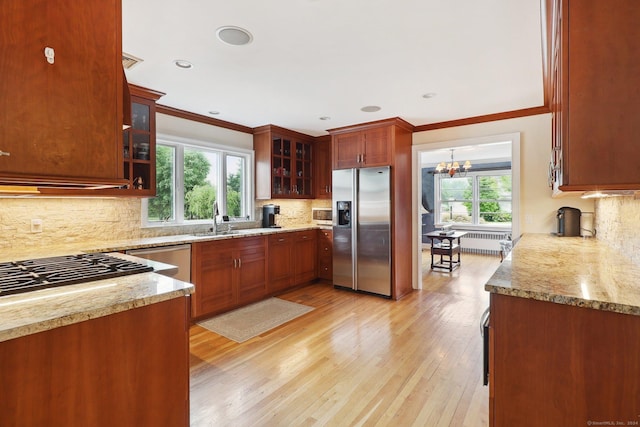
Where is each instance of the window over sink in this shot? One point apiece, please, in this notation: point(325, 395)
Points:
point(191, 175)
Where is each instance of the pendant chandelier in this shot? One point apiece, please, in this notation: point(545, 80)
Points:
point(453, 167)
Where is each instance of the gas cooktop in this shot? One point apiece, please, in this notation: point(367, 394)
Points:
point(30, 275)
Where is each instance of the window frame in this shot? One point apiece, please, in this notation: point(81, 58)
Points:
point(179, 144)
point(475, 202)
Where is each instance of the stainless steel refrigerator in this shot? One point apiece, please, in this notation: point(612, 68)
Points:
point(361, 230)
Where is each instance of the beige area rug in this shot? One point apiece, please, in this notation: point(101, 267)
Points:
point(247, 322)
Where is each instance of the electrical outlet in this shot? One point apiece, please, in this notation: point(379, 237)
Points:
point(36, 226)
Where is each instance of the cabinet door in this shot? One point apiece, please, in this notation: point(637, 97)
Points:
point(305, 256)
point(346, 150)
point(322, 177)
point(251, 269)
point(62, 119)
point(377, 146)
point(213, 276)
point(303, 170)
point(601, 104)
point(280, 262)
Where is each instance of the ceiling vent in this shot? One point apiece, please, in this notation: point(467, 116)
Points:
point(129, 61)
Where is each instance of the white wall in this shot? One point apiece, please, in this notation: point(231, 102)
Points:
point(170, 125)
point(537, 207)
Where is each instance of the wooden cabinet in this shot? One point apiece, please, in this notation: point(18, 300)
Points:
point(304, 256)
point(322, 167)
point(594, 65)
point(126, 369)
point(139, 144)
point(554, 364)
point(385, 143)
point(284, 163)
point(62, 117)
point(292, 259)
point(364, 148)
point(281, 272)
point(228, 273)
point(325, 255)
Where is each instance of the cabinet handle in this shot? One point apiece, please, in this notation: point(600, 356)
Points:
point(239, 262)
point(235, 263)
point(4, 153)
point(281, 240)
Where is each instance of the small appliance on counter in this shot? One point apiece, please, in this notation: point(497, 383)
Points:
point(269, 213)
point(321, 216)
point(568, 222)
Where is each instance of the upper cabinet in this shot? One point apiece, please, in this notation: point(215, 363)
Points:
point(593, 69)
point(61, 93)
point(362, 148)
point(284, 163)
point(322, 167)
point(139, 144)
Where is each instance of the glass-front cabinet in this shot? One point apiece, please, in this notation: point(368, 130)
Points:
point(139, 143)
point(283, 164)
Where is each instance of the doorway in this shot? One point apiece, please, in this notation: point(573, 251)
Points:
point(442, 196)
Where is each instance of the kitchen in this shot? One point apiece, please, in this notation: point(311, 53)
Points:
point(76, 221)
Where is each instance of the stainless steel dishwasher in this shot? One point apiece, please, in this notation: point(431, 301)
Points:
point(178, 255)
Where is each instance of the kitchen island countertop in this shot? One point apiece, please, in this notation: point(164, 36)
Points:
point(576, 271)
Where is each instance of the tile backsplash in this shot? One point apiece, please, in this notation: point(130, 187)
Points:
point(82, 220)
point(618, 223)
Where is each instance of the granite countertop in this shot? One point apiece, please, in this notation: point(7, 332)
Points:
point(15, 254)
point(46, 309)
point(575, 271)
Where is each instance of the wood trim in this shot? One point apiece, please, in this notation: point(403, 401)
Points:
point(144, 92)
point(546, 19)
point(533, 111)
point(175, 112)
point(396, 121)
point(282, 131)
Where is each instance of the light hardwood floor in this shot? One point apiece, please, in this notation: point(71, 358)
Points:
point(356, 360)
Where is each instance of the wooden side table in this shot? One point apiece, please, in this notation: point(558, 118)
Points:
point(446, 246)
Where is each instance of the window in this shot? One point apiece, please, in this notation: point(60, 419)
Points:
point(479, 198)
point(189, 178)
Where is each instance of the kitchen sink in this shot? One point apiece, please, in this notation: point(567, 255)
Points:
point(219, 233)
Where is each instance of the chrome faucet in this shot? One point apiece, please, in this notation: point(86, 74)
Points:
point(215, 218)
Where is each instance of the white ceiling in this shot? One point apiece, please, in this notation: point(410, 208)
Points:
point(314, 58)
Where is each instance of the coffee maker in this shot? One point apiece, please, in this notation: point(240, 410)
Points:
point(269, 213)
point(568, 221)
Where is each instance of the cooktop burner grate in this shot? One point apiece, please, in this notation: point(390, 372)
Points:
point(31, 275)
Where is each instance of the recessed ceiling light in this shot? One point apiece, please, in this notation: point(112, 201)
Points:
point(429, 95)
point(325, 118)
point(181, 63)
point(235, 36)
point(370, 109)
point(214, 113)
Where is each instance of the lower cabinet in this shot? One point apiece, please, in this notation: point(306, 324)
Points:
point(234, 272)
point(126, 369)
point(228, 273)
point(304, 256)
point(552, 364)
point(281, 273)
point(325, 255)
point(292, 259)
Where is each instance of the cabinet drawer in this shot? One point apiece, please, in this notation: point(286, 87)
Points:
point(305, 235)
